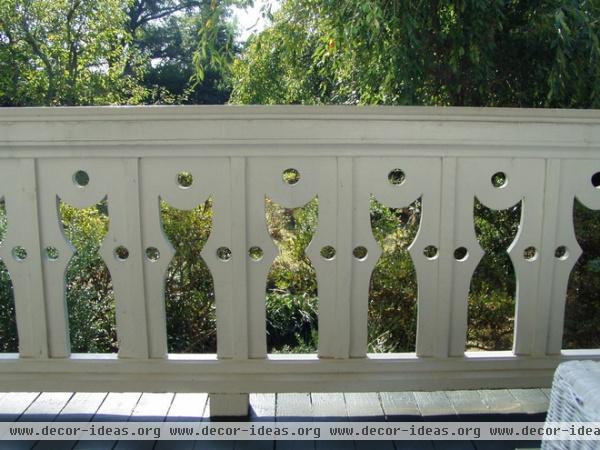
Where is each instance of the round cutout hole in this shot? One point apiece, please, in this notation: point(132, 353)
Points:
point(328, 252)
point(184, 180)
point(121, 253)
point(290, 176)
point(530, 253)
point(396, 177)
point(224, 253)
point(596, 180)
point(19, 253)
point(51, 253)
point(461, 254)
point(81, 178)
point(255, 253)
point(153, 254)
point(360, 253)
point(430, 251)
point(561, 252)
point(499, 180)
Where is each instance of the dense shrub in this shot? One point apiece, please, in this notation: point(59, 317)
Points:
point(291, 323)
point(189, 292)
point(90, 299)
point(492, 293)
point(582, 311)
point(392, 323)
point(8, 325)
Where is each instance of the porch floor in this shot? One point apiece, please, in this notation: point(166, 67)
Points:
point(507, 405)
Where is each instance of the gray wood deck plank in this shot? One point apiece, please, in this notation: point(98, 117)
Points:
point(44, 408)
point(467, 402)
point(80, 408)
point(330, 408)
point(366, 407)
point(150, 408)
point(362, 406)
point(402, 406)
point(500, 401)
point(212, 445)
point(434, 404)
point(547, 392)
point(184, 408)
point(187, 407)
point(262, 409)
point(533, 401)
point(116, 407)
point(399, 404)
point(296, 408)
point(453, 445)
point(13, 404)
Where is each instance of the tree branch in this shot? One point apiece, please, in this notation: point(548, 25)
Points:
point(30, 39)
point(166, 12)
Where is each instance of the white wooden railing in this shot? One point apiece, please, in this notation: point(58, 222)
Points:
point(343, 155)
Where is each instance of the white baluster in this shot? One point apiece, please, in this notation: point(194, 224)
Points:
point(344, 245)
point(209, 178)
point(317, 179)
point(116, 180)
point(362, 268)
point(257, 235)
point(239, 282)
point(548, 262)
point(449, 220)
point(127, 274)
point(421, 181)
point(525, 182)
point(21, 254)
point(334, 315)
point(575, 182)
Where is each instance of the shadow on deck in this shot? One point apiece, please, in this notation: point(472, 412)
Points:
point(501, 406)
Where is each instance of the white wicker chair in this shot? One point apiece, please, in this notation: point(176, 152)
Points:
point(575, 397)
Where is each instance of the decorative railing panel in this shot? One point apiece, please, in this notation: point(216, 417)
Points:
point(238, 157)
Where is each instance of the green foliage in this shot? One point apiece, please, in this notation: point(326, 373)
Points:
point(449, 52)
point(90, 299)
point(292, 300)
point(582, 309)
point(169, 49)
point(189, 290)
point(8, 325)
point(216, 41)
point(291, 323)
point(64, 52)
point(492, 294)
point(392, 324)
point(84, 52)
point(292, 231)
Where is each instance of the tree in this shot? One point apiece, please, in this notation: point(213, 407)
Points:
point(64, 52)
point(141, 13)
point(169, 49)
point(437, 52)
